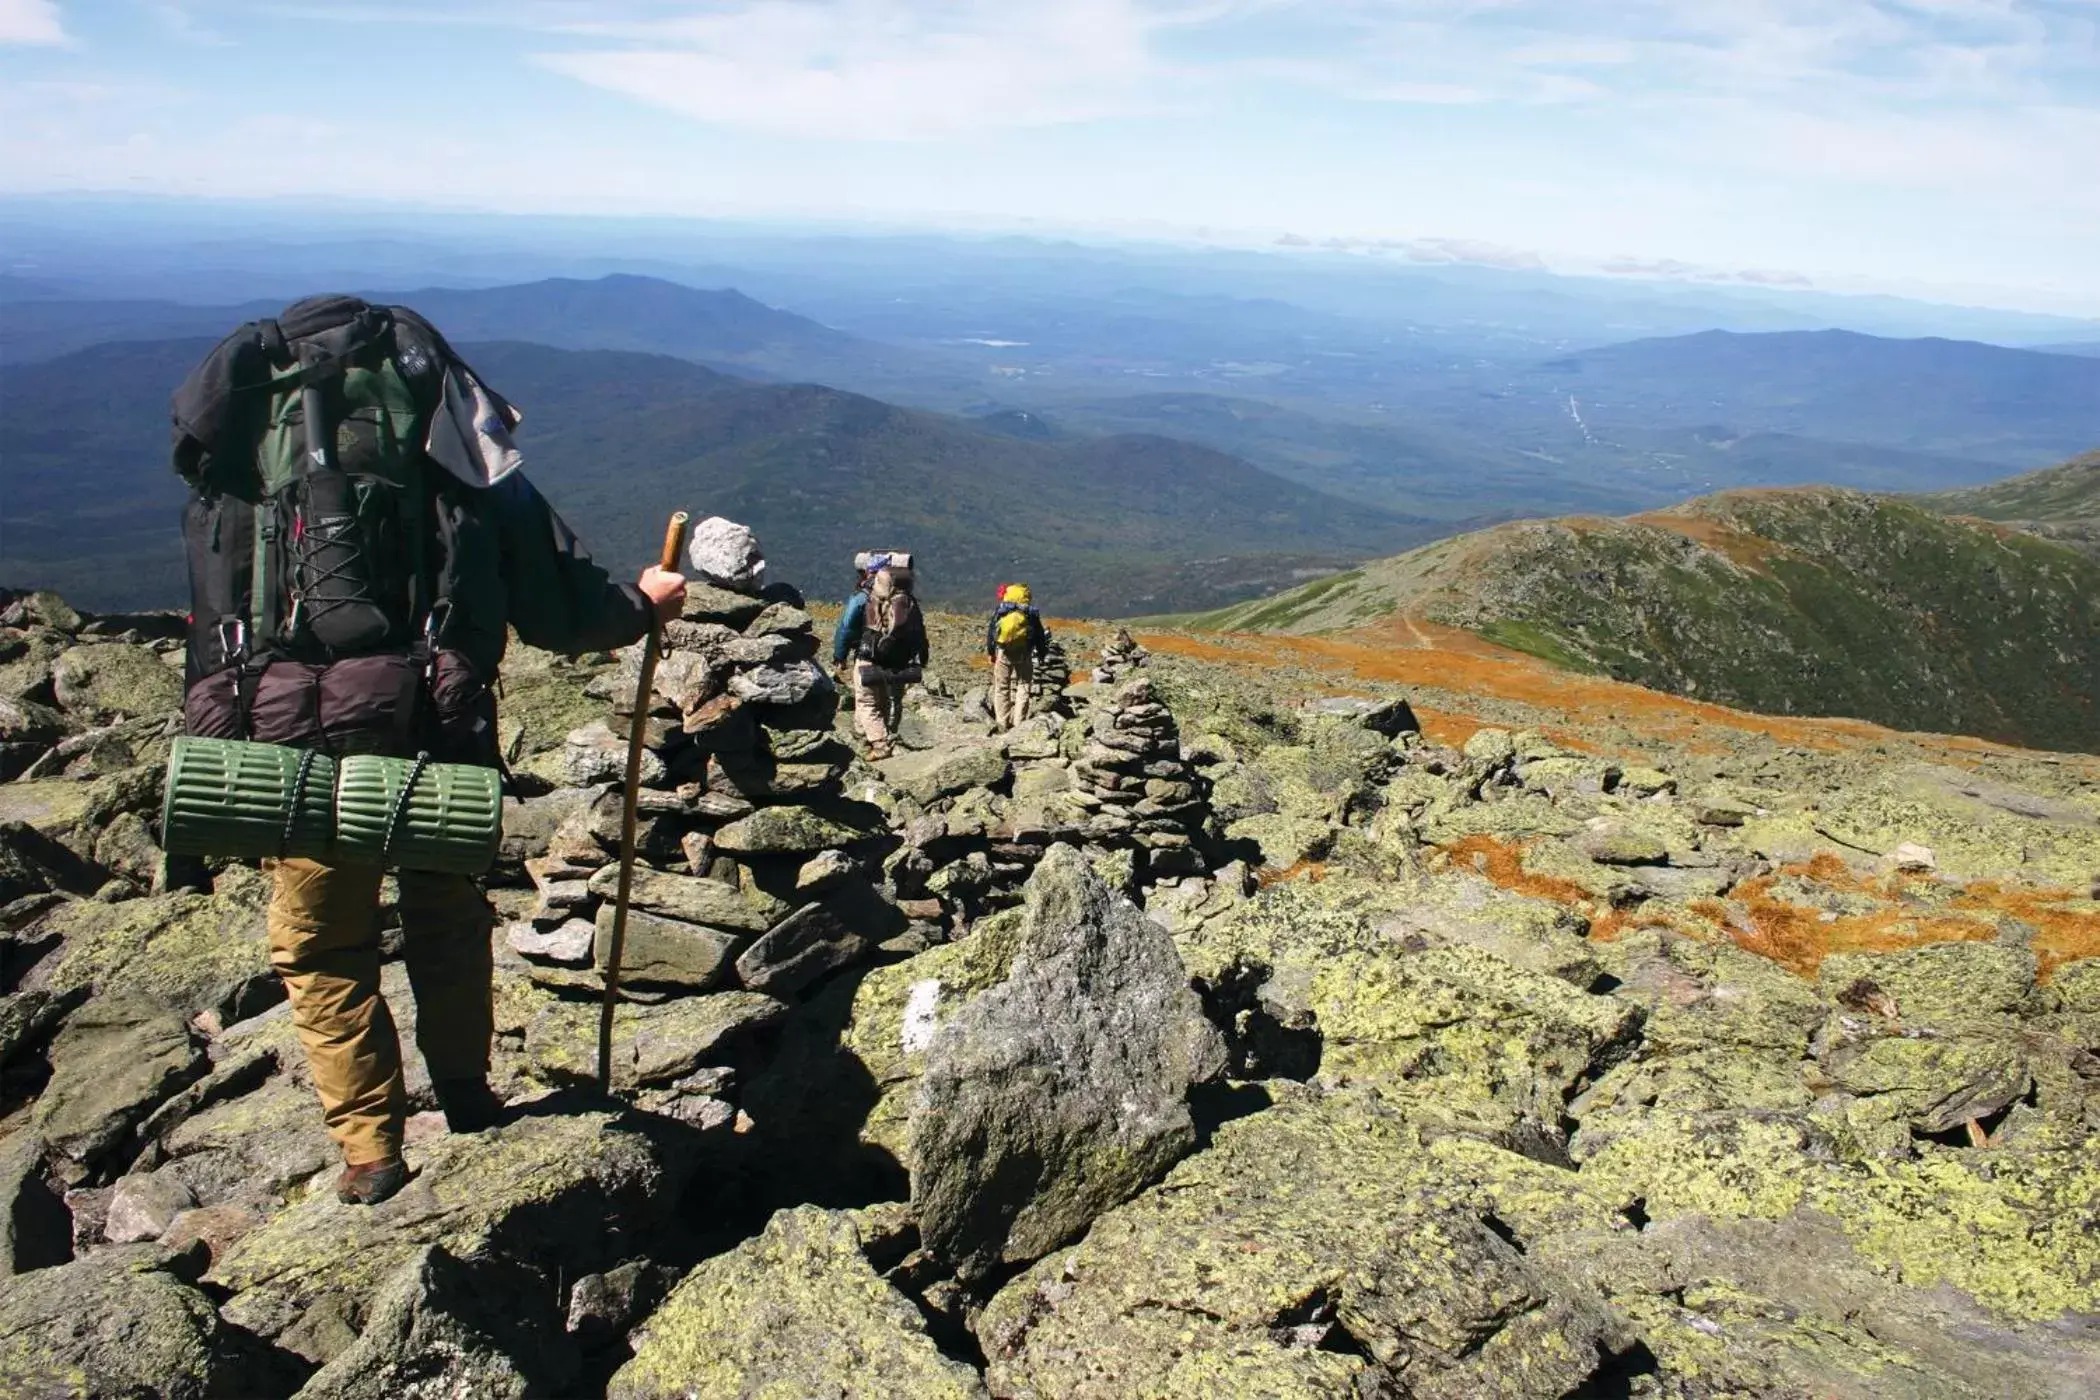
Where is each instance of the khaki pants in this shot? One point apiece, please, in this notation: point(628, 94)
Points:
point(1013, 681)
point(324, 943)
point(878, 706)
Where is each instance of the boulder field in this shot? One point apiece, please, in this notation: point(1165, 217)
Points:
point(1238, 1025)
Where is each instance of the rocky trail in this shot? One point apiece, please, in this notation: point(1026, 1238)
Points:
point(1360, 1016)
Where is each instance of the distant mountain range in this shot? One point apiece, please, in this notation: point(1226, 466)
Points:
point(1118, 524)
point(1958, 398)
point(720, 327)
point(1338, 445)
point(1811, 601)
point(2086, 348)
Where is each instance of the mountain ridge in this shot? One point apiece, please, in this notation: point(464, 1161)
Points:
point(616, 438)
point(1786, 601)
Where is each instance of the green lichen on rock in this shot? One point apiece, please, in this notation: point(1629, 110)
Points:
point(1945, 985)
point(106, 679)
point(794, 1313)
point(565, 1193)
point(189, 951)
point(784, 830)
point(652, 1044)
point(2016, 1228)
point(1400, 981)
point(1312, 1251)
point(115, 1323)
point(1284, 841)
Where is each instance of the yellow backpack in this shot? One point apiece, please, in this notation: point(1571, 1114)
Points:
point(1013, 628)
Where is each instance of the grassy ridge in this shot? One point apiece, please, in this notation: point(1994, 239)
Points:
point(1791, 602)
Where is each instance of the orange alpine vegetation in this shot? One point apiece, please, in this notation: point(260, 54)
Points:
point(1915, 911)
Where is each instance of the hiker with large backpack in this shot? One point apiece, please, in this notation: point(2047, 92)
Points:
point(884, 633)
point(360, 541)
point(1013, 639)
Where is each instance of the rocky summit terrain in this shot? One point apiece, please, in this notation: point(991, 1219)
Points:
point(1388, 1015)
point(1803, 601)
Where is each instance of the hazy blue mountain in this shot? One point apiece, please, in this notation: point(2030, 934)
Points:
point(235, 250)
point(2019, 407)
point(1512, 456)
point(2084, 348)
point(1128, 523)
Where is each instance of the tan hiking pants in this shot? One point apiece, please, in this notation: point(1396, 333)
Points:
point(324, 943)
point(878, 706)
point(1013, 682)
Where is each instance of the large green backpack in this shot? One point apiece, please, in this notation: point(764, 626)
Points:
point(318, 554)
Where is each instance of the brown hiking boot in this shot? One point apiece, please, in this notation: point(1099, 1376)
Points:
point(371, 1183)
point(469, 1105)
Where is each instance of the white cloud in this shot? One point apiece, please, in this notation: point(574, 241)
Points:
point(30, 22)
point(881, 69)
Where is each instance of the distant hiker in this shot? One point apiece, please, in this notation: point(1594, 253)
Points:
point(360, 538)
point(883, 631)
point(1013, 639)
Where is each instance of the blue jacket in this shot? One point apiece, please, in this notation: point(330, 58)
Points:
point(845, 639)
point(1036, 639)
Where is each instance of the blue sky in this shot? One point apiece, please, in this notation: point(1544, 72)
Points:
point(1943, 147)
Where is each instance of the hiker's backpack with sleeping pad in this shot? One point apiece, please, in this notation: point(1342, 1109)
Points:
point(895, 634)
point(1012, 628)
point(322, 540)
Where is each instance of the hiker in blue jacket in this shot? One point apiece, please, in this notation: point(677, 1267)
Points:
point(882, 636)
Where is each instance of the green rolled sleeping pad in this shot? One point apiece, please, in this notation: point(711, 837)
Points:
point(450, 820)
point(246, 801)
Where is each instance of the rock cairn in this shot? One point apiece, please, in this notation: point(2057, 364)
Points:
point(752, 866)
point(1111, 781)
point(1053, 673)
point(1119, 658)
point(1147, 796)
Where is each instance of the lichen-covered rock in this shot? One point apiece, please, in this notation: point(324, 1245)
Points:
point(594, 754)
point(980, 767)
point(117, 1323)
point(651, 1044)
point(797, 1312)
point(693, 899)
point(1319, 1248)
point(190, 952)
point(850, 1060)
point(1946, 984)
point(784, 831)
point(144, 1205)
point(108, 679)
point(36, 1229)
point(1453, 1024)
point(563, 1194)
point(660, 952)
point(1063, 1090)
point(798, 950)
point(1284, 841)
point(118, 1058)
point(256, 1149)
point(441, 1327)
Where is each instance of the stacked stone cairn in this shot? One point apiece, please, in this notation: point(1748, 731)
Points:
point(1147, 797)
point(1111, 780)
point(1053, 673)
point(1119, 658)
point(752, 867)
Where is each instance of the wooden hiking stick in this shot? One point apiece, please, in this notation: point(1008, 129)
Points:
point(638, 732)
